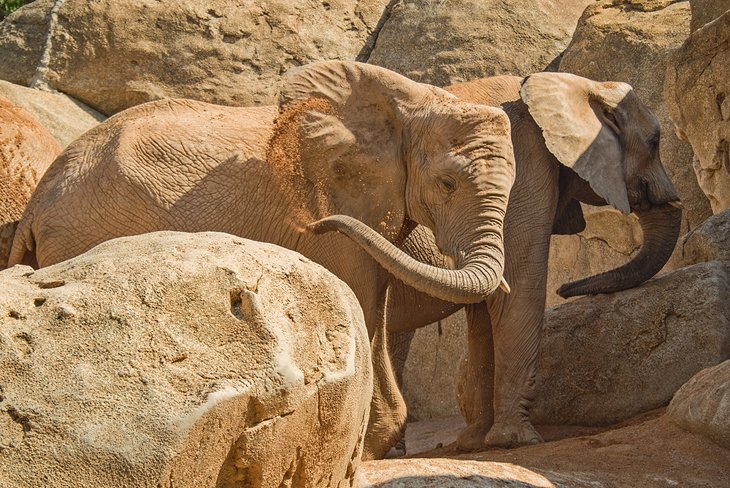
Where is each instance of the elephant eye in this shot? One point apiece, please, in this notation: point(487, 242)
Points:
point(448, 183)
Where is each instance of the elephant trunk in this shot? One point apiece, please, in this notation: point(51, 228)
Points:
point(660, 226)
point(479, 276)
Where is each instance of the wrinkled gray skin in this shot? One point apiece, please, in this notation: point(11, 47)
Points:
point(352, 148)
point(575, 140)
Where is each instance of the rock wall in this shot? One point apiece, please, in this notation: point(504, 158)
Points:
point(698, 94)
point(113, 55)
point(181, 360)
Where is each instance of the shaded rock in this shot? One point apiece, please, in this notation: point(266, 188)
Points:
point(437, 473)
point(605, 358)
point(702, 405)
point(26, 151)
point(708, 242)
point(113, 55)
point(65, 118)
point(698, 95)
point(432, 366)
point(705, 11)
point(185, 360)
point(629, 41)
point(448, 42)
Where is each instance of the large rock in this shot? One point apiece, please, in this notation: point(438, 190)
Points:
point(452, 473)
point(705, 11)
point(630, 41)
point(606, 358)
point(698, 95)
point(708, 242)
point(112, 55)
point(26, 151)
point(448, 42)
point(63, 116)
point(185, 360)
point(702, 405)
point(432, 366)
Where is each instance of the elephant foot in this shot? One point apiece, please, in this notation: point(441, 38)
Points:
point(471, 437)
point(512, 435)
point(399, 450)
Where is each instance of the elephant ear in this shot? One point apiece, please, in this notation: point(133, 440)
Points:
point(345, 126)
point(574, 114)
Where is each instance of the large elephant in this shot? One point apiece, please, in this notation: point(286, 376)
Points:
point(352, 147)
point(575, 140)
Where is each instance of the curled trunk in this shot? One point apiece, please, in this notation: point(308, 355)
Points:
point(479, 276)
point(660, 226)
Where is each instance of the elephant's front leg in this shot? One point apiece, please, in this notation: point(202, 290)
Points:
point(387, 422)
point(475, 384)
point(516, 327)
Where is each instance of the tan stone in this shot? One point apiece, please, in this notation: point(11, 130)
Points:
point(432, 367)
point(448, 42)
point(608, 357)
point(710, 241)
point(705, 11)
point(185, 360)
point(112, 55)
point(26, 151)
point(702, 405)
point(64, 117)
point(452, 473)
point(698, 95)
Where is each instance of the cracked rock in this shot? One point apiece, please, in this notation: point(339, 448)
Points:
point(102, 387)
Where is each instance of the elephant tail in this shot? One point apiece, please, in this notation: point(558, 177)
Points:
point(23, 249)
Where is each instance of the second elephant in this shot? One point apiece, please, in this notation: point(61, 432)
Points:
point(575, 140)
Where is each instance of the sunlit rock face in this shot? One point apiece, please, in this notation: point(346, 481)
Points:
point(181, 360)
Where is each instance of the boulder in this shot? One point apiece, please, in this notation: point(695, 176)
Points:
point(705, 11)
point(65, 118)
point(708, 242)
point(113, 55)
point(452, 473)
point(26, 151)
point(605, 358)
point(702, 405)
point(449, 42)
point(432, 366)
point(698, 95)
point(185, 360)
point(630, 41)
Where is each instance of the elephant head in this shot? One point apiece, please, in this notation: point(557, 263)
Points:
point(603, 134)
point(384, 153)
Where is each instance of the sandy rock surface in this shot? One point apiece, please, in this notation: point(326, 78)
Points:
point(705, 11)
point(606, 358)
point(181, 360)
point(64, 117)
point(702, 405)
point(448, 42)
point(113, 55)
point(710, 241)
point(26, 151)
point(648, 451)
point(698, 95)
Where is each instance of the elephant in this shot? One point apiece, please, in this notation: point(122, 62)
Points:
point(26, 151)
point(349, 162)
point(575, 140)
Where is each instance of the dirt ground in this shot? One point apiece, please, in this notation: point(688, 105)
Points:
point(647, 451)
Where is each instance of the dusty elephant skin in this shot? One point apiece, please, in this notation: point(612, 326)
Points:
point(181, 360)
point(575, 140)
point(353, 148)
point(26, 150)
